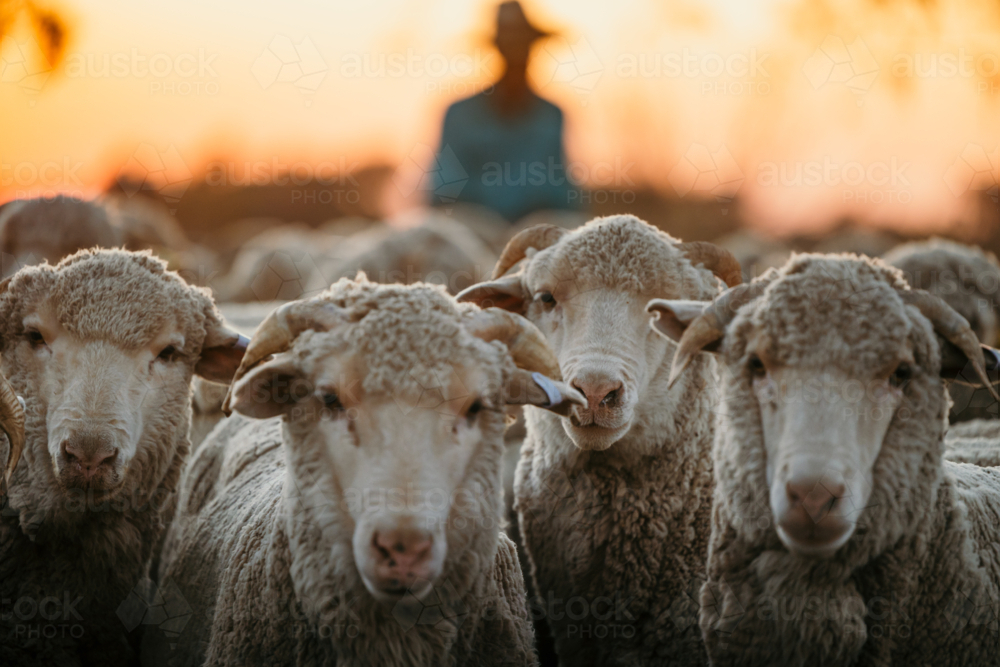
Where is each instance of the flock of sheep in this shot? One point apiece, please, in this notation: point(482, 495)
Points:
point(796, 470)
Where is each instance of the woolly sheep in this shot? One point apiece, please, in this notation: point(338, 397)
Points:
point(613, 501)
point(33, 231)
point(968, 279)
point(976, 441)
point(839, 535)
point(438, 250)
point(349, 513)
point(102, 348)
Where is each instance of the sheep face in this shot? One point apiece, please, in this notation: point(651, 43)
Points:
point(98, 398)
point(823, 430)
point(393, 423)
point(587, 293)
point(392, 461)
point(102, 347)
point(831, 379)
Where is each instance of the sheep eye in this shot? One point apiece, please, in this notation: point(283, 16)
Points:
point(901, 375)
point(756, 367)
point(35, 338)
point(331, 401)
point(167, 353)
point(473, 411)
point(547, 298)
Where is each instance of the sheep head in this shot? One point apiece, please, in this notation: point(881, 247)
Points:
point(102, 347)
point(586, 291)
point(835, 357)
point(396, 392)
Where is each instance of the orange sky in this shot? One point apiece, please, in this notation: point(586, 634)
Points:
point(889, 113)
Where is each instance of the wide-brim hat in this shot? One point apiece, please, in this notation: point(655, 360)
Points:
point(512, 23)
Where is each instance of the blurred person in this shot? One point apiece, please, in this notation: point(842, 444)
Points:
point(507, 139)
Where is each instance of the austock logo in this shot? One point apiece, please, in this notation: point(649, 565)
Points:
point(975, 169)
point(24, 64)
point(439, 175)
point(152, 170)
point(47, 617)
point(835, 62)
point(284, 61)
point(576, 65)
point(706, 172)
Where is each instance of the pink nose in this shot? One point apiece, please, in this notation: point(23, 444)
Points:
point(401, 556)
point(600, 391)
point(87, 456)
point(817, 498)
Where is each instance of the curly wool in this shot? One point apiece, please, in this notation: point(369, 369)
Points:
point(976, 441)
point(52, 545)
point(967, 277)
point(263, 555)
point(917, 583)
point(630, 524)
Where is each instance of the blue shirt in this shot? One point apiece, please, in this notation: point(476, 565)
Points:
point(511, 164)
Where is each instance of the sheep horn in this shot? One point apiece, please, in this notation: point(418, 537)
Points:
point(12, 424)
point(537, 237)
point(718, 260)
point(280, 329)
point(953, 327)
point(711, 325)
point(526, 343)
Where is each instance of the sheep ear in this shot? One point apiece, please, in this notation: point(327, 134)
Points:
point(527, 388)
point(957, 367)
point(505, 292)
point(219, 362)
point(673, 318)
point(269, 390)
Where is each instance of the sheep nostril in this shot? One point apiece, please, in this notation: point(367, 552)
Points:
point(611, 398)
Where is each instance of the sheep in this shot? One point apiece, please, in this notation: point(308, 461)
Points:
point(968, 279)
point(437, 250)
point(348, 512)
point(976, 441)
point(48, 229)
point(839, 534)
point(102, 348)
point(613, 500)
point(145, 224)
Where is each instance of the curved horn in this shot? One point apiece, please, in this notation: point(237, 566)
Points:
point(953, 327)
point(718, 260)
point(12, 424)
point(537, 237)
point(711, 325)
point(280, 329)
point(526, 343)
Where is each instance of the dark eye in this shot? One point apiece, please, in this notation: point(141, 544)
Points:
point(756, 366)
point(35, 337)
point(473, 411)
point(901, 375)
point(167, 353)
point(547, 298)
point(331, 401)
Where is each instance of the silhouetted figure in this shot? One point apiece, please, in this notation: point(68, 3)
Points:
point(507, 140)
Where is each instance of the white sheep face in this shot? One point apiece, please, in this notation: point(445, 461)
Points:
point(393, 468)
point(97, 398)
point(823, 431)
point(605, 348)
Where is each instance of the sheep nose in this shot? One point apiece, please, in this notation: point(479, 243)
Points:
point(817, 497)
point(600, 391)
point(402, 556)
point(88, 455)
